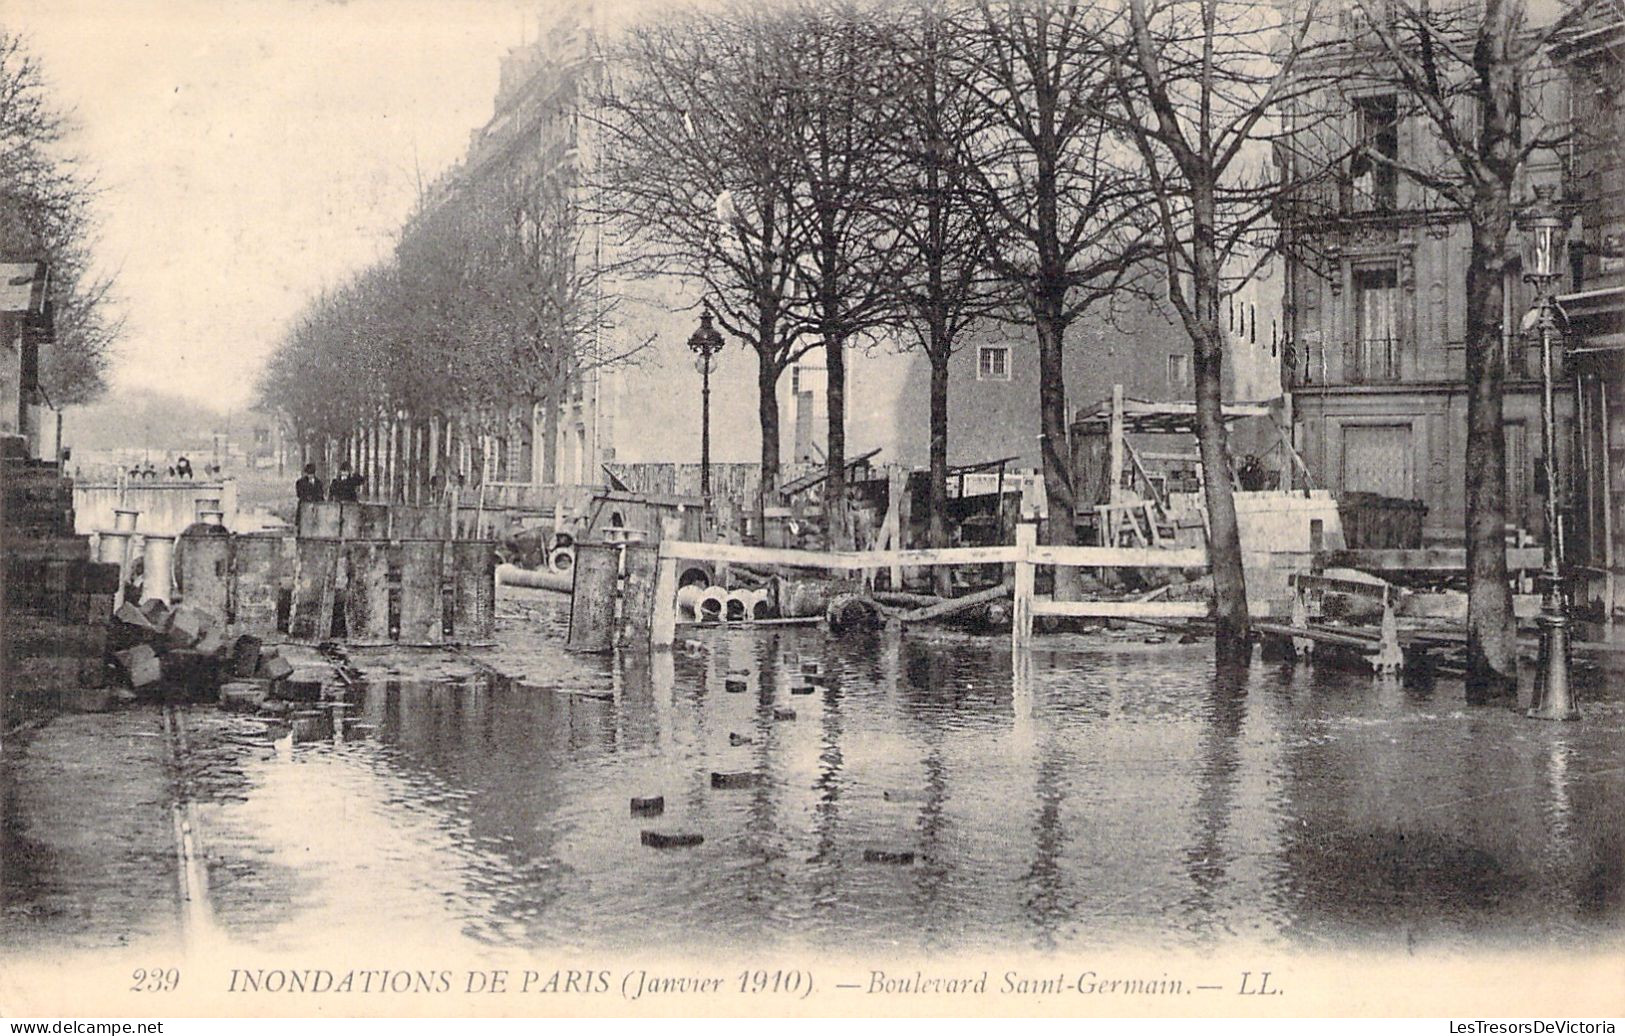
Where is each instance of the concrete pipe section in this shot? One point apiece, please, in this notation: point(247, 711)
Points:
point(124, 519)
point(158, 568)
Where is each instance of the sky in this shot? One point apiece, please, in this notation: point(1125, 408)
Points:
point(252, 152)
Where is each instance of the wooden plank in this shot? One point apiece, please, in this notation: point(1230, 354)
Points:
point(1428, 559)
point(419, 523)
point(422, 606)
point(320, 520)
point(1120, 557)
point(259, 567)
point(663, 609)
point(365, 521)
point(1122, 609)
point(1021, 611)
point(473, 589)
point(312, 614)
point(637, 594)
point(204, 564)
point(366, 591)
point(840, 561)
point(592, 598)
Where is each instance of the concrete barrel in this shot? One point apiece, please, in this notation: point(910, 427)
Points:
point(124, 519)
point(158, 568)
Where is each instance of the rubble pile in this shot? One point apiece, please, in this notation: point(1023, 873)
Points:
point(183, 654)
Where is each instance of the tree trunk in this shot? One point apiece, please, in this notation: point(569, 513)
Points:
point(1492, 657)
point(767, 411)
point(835, 509)
point(1061, 528)
point(550, 439)
point(1231, 620)
point(938, 529)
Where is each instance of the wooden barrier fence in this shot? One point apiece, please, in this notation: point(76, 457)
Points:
point(1025, 554)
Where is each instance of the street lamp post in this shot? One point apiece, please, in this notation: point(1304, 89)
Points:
point(1543, 240)
point(706, 343)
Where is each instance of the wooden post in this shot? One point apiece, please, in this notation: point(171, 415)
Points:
point(1021, 624)
point(663, 600)
point(663, 620)
point(1114, 460)
point(1607, 507)
point(894, 520)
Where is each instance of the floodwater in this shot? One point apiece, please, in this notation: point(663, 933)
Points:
point(1103, 792)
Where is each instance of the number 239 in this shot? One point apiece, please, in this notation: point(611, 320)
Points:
point(158, 980)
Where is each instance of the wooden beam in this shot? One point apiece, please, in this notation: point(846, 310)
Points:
point(956, 605)
point(839, 561)
point(1120, 557)
point(1021, 612)
point(1428, 559)
point(1122, 609)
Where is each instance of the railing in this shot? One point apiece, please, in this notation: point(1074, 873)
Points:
point(1376, 361)
point(1025, 554)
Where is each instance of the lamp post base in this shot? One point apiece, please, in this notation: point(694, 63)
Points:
point(1553, 699)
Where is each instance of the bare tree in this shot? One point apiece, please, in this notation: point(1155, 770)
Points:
point(1061, 193)
point(1478, 76)
point(830, 63)
point(699, 141)
point(942, 276)
point(1198, 88)
point(45, 211)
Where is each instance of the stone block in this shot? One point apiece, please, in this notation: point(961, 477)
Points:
point(128, 614)
point(187, 625)
point(243, 695)
point(273, 666)
point(140, 665)
point(192, 670)
point(649, 807)
point(245, 656)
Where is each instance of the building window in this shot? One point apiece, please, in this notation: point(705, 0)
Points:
point(1376, 331)
point(1179, 371)
point(993, 363)
point(1376, 181)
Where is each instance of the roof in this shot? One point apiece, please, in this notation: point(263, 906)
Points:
point(1178, 417)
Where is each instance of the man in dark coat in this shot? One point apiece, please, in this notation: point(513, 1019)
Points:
point(347, 486)
point(309, 487)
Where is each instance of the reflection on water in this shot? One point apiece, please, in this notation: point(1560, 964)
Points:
point(1084, 795)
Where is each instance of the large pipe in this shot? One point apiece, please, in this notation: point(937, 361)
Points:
point(562, 559)
point(158, 568)
point(113, 548)
point(713, 603)
point(757, 605)
point(513, 575)
point(738, 605)
point(212, 517)
point(688, 601)
point(124, 519)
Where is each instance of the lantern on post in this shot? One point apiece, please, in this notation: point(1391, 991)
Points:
point(1543, 237)
point(706, 342)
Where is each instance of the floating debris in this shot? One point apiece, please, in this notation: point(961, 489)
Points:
point(662, 840)
point(784, 714)
point(734, 686)
point(745, 779)
point(802, 690)
point(649, 807)
point(902, 795)
point(891, 856)
point(739, 739)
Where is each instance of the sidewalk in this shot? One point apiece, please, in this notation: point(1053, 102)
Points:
point(87, 835)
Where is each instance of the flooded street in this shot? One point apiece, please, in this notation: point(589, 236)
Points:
point(1109, 792)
